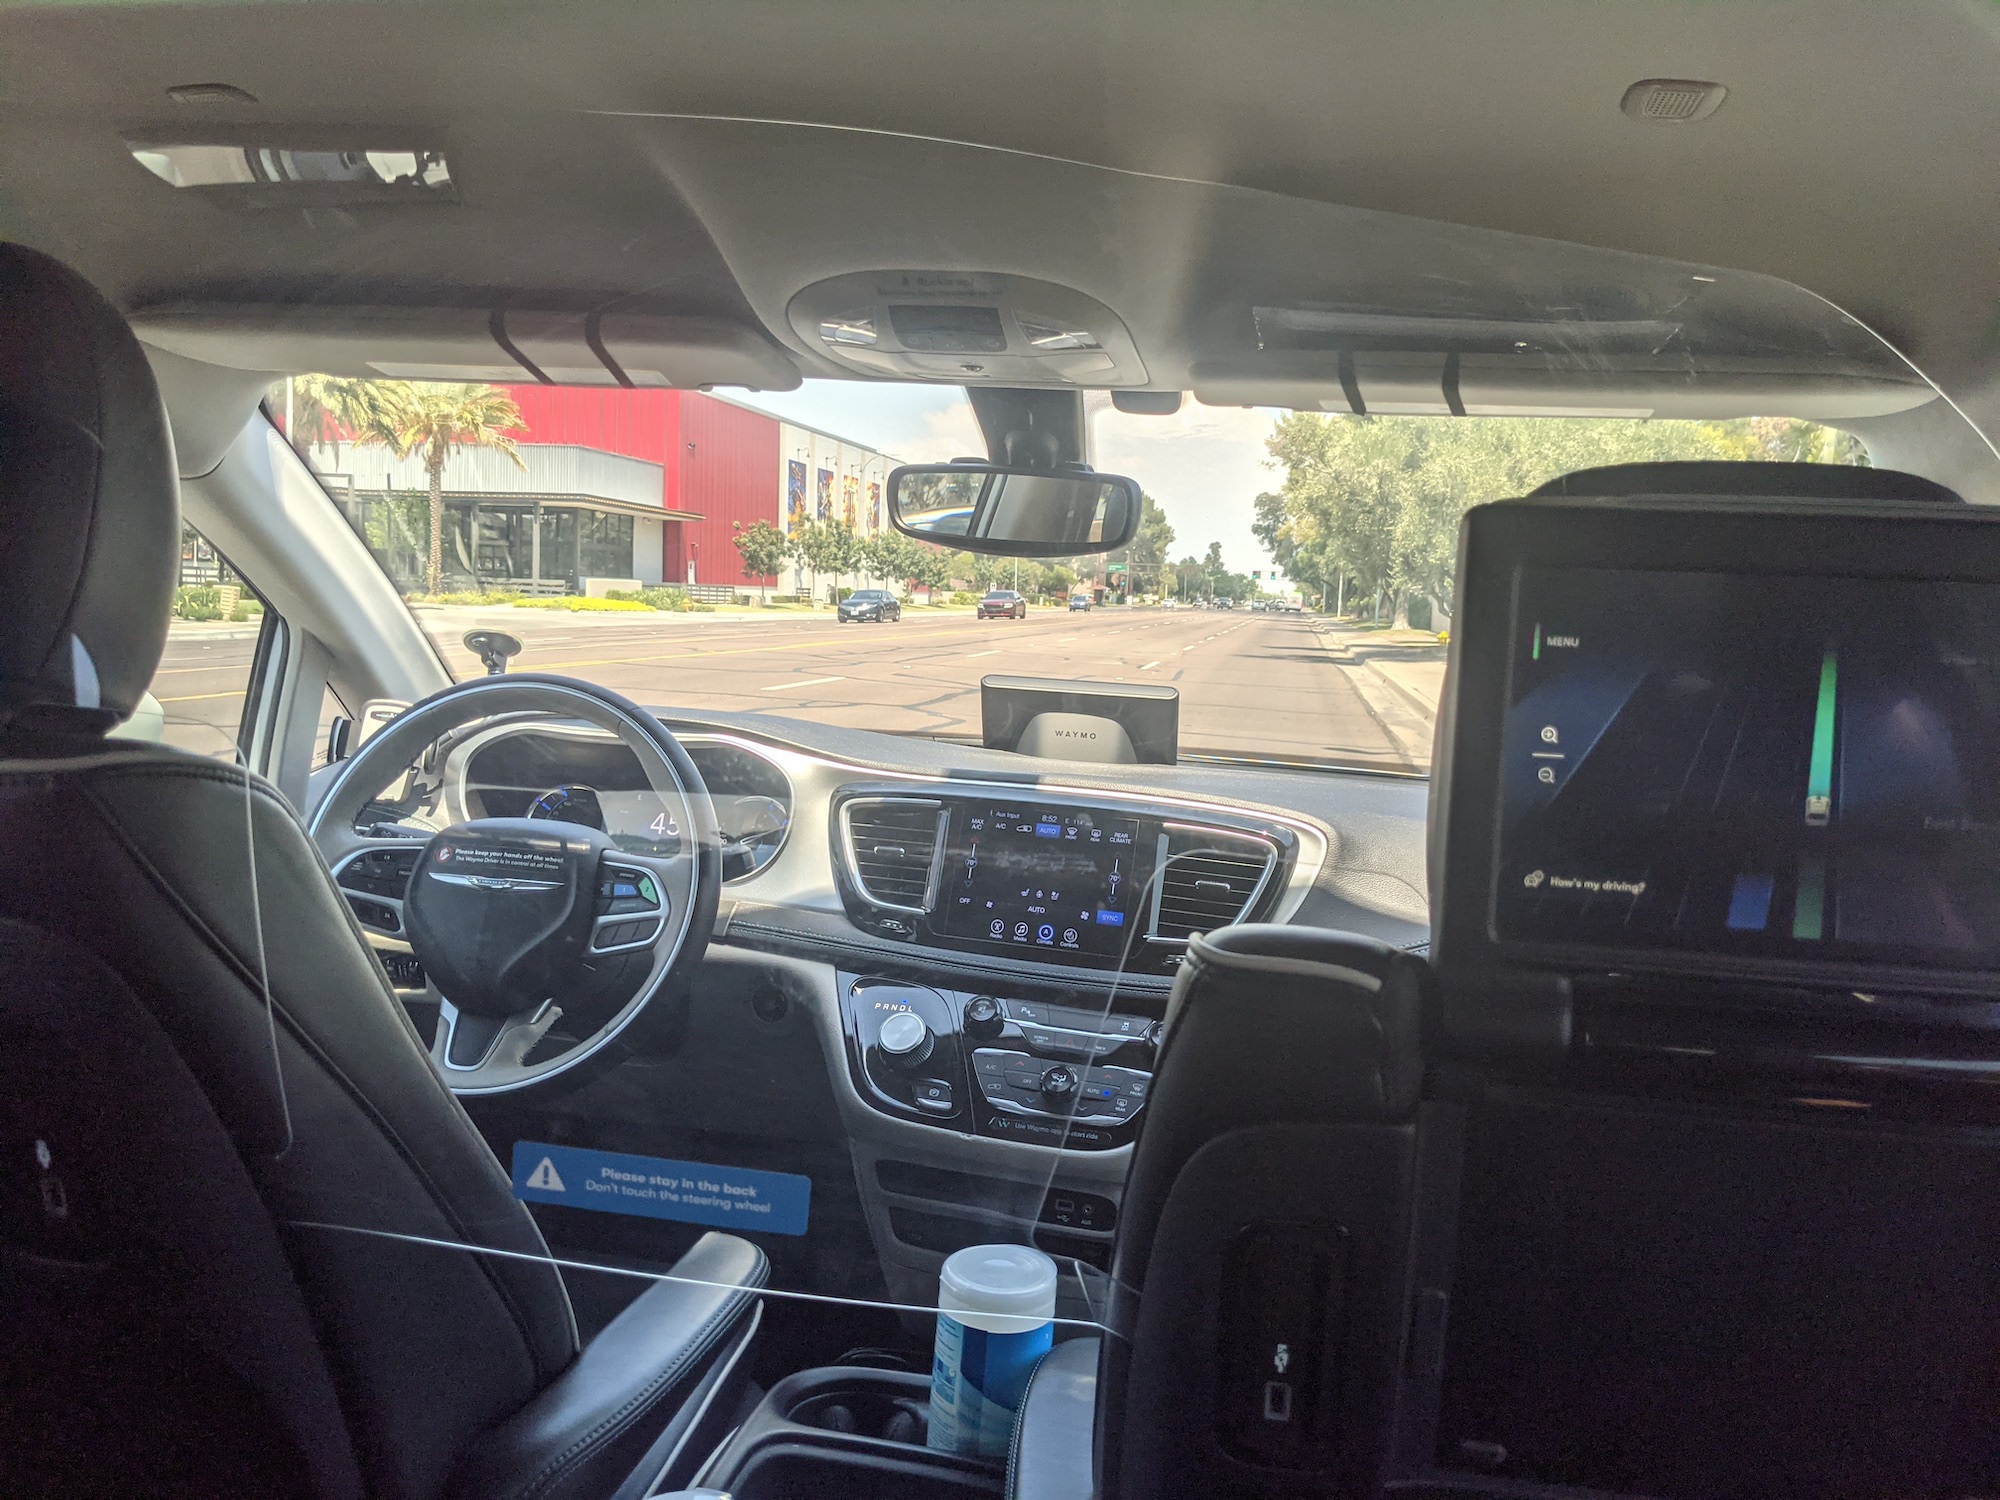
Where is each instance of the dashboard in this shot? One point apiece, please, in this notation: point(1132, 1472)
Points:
point(571, 777)
point(865, 875)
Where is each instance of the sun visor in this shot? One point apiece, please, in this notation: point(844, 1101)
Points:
point(512, 346)
point(1411, 383)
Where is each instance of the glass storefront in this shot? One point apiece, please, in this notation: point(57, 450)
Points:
point(529, 547)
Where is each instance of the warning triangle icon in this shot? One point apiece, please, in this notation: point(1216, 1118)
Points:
point(547, 1178)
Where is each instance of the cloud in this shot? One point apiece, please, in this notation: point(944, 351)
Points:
point(1206, 465)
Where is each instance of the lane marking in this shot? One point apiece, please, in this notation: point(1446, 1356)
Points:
point(974, 656)
point(1149, 666)
point(779, 687)
point(203, 697)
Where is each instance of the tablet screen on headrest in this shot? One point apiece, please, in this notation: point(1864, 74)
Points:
point(1771, 765)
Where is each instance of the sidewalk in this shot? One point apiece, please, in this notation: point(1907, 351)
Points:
point(1399, 674)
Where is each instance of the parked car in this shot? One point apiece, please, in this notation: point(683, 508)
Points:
point(1079, 601)
point(865, 605)
point(1002, 602)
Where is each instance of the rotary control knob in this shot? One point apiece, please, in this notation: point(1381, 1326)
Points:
point(905, 1040)
point(983, 1018)
point(1059, 1082)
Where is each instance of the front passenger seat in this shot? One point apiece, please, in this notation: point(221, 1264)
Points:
point(227, 1233)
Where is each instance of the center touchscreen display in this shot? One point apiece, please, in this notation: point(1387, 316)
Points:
point(1789, 767)
point(1042, 877)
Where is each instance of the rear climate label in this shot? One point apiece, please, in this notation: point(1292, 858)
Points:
point(653, 1187)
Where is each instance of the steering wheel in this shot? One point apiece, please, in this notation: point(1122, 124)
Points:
point(518, 920)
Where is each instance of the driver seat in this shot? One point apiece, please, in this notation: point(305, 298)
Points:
point(230, 1227)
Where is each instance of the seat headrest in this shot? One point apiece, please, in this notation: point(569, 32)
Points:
point(1781, 480)
point(89, 503)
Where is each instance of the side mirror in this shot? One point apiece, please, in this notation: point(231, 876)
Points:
point(493, 647)
point(1014, 512)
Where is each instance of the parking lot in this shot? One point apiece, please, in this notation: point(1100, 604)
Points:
point(1251, 684)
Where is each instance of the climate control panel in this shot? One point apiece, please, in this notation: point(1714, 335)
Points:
point(1012, 1068)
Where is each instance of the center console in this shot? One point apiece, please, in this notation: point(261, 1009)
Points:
point(994, 1065)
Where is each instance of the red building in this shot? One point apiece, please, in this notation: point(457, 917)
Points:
point(721, 466)
point(612, 486)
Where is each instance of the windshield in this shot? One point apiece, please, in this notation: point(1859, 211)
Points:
point(1290, 578)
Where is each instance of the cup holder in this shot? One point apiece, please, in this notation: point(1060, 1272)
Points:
point(847, 1431)
point(867, 1411)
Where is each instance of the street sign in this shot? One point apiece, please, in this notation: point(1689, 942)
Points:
point(1115, 568)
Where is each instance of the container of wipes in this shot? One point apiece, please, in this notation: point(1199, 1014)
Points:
point(996, 1312)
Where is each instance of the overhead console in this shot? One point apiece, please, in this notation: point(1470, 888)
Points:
point(967, 327)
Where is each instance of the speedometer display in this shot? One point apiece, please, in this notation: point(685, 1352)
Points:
point(569, 804)
point(636, 821)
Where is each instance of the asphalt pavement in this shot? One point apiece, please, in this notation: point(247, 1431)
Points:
point(1262, 685)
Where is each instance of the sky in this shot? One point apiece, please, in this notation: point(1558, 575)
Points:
point(1205, 465)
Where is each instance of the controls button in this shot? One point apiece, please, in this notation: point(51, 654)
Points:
point(1026, 1011)
point(983, 1016)
point(904, 1039)
point(1059, 1082)
point(935, 1095)
point(1123, 1107)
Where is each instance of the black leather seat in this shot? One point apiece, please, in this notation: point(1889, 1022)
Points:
point(1285, 1103)
point(227, 1232)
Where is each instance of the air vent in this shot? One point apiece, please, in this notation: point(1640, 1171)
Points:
point(892, 849)
point(1211, 879)
point(1672, 101)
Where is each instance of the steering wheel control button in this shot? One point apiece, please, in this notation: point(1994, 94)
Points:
point(905, 1040)
point(623, 891)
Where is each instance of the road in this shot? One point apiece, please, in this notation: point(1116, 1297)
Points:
point(1251, 684)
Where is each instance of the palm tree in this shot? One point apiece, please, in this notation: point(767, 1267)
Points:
point(436, 419)
point(327, 410)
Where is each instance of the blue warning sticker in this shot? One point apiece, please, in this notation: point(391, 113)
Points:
point(652, 1187)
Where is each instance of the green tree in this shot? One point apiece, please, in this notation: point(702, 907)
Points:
point(985, 570)
point(1378, 499)
point(823, 547)
point(435, 420)
point(1145, 556)
point(326, 410)
point(763, 549)
point(931, 567)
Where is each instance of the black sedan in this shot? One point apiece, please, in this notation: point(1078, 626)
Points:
point(865, 605)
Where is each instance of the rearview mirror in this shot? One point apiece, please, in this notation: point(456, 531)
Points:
point(1014, 512)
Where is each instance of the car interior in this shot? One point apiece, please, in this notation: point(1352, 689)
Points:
point(502, 1062)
